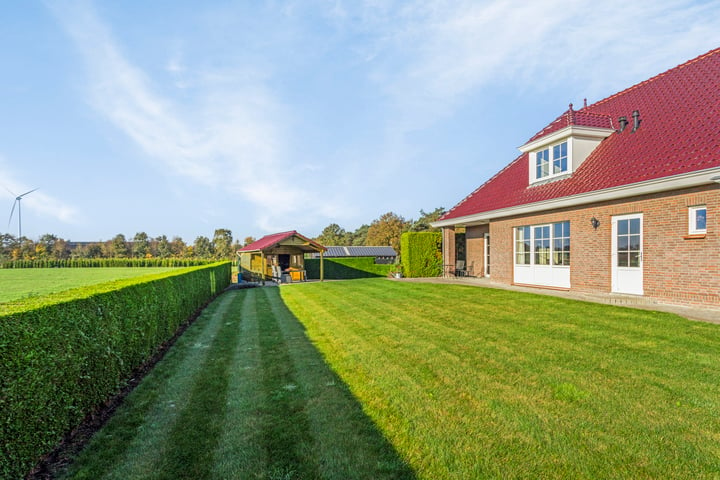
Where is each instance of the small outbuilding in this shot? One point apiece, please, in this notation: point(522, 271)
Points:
point(279, 257)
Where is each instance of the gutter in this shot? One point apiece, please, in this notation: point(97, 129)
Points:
point(676, 182)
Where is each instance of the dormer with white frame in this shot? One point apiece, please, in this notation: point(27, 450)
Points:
point(558, 152)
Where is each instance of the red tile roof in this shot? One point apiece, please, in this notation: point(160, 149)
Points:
point(679, 133)
point(269, 241)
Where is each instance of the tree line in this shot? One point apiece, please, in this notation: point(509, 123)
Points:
point(383, 231)
point(51, 247)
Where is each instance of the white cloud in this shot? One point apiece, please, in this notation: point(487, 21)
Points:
point(38, 202)
point(227, 136)
point(432, 53)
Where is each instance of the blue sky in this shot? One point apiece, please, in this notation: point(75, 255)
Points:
point(180, 117)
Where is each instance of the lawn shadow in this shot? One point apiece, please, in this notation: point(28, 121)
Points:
point(332, 437)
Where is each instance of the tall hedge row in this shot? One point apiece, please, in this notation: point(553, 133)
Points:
point(421, 254)
point(346, 268)
point(105, 262)
point(63, 355)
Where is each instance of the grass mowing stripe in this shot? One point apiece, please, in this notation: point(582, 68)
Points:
point(127, 446)
point(240, 453)
point(561, 399)
point(287, 442)
point(347, 445)
point(190, 447)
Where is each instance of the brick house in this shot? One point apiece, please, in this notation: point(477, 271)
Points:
point(619, 197)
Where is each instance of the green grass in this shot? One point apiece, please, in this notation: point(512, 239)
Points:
point(379, 379)
point(242, 394)
point(20, 283)
point(479, 383)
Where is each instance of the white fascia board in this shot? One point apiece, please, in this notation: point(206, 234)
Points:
point(571, 131)
point(676, 182)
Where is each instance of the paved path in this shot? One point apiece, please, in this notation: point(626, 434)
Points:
point(707, 314)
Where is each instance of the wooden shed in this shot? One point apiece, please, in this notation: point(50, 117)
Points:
point(280, 257)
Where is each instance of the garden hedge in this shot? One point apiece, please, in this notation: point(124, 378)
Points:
point(421, 254)
point(346, 268)
point(105, 262)
point(63, 355)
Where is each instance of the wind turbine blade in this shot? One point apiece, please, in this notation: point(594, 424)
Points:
point(11, 213)
point(10, 191)
point(26, 193)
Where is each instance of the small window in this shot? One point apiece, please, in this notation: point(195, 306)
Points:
point(550, 162)
point(542, 163)
point(698, 220)
point(560, 158)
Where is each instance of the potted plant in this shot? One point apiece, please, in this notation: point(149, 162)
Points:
point(396, 271)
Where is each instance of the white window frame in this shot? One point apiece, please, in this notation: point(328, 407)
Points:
point(550, 149)
point(692, 220)
point(532, 273)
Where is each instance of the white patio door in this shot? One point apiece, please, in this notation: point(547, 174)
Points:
point(627, 254)
point(487, 255)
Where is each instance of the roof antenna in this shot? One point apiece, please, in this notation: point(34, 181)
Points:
point(636, 120)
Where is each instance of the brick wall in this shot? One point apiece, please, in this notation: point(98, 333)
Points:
point(448, 246)
point(676, 269)
point(475, 248)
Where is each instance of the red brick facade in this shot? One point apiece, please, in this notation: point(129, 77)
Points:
point(651, 172)
point(676, 269)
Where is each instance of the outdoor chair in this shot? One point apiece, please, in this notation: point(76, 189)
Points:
point(460, 270)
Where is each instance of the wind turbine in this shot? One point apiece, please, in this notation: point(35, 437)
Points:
point(17, 202)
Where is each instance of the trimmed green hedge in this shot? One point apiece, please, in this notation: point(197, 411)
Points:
point(106, 262)
point(421, 254)
point(63, 355)
point(346, 268)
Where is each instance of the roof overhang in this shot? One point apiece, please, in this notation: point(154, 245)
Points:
point(575, 131)
point(664, 184)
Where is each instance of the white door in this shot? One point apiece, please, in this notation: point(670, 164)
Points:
point(627, 254)
point(487, 255)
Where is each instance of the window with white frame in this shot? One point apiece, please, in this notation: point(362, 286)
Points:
point(547, 244)
point(522, 246)
point(551, 161)
point(697, 220)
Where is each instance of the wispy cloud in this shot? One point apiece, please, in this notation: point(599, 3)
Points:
point(229, 136)
point(38, 202)
point(429, 54)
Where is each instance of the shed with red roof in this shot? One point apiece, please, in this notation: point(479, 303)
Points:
point(621, 197)
point(280, 256)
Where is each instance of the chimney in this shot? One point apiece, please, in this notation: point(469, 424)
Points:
point(636, 120)
point(623, 121)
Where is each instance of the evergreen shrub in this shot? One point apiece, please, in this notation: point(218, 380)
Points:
point(421, 254)
point(63, 355)
point(105, 262)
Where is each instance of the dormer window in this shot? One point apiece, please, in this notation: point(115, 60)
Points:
point(555, 157)
point(560, 148)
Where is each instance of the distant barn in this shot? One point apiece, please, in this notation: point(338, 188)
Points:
point(382, 255)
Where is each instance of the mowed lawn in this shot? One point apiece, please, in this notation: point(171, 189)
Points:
point(380, 379)
point(19, 283)
point(479, 383)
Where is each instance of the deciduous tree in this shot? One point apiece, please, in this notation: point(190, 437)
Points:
point(222, 243)
point(333, 234)
point(141, 245)
point(203, 247)
point(386, 230)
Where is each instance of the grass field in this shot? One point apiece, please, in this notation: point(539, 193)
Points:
point(382, 379)
point(19, 283)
